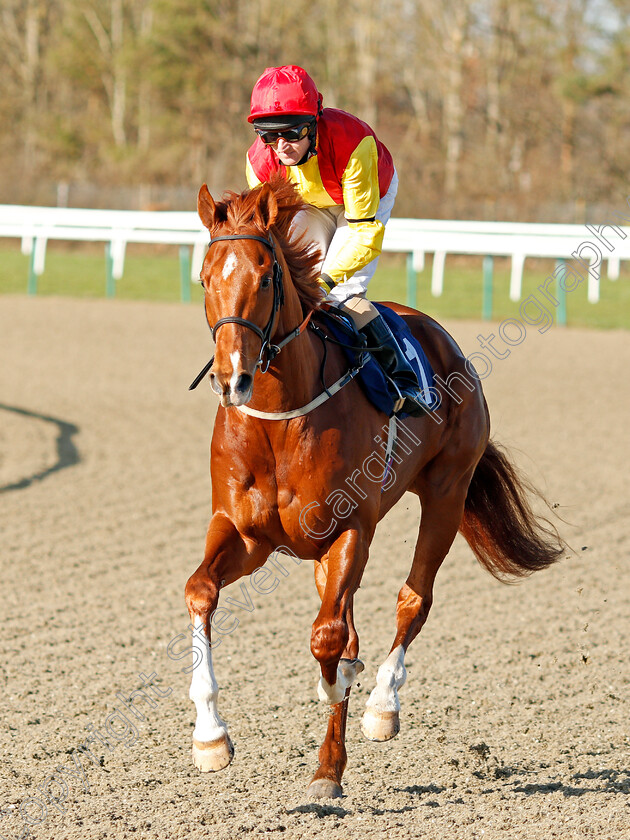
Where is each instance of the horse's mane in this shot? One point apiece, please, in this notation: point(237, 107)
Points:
point(302, 259)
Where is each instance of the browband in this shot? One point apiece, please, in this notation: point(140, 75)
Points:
point(262, 239)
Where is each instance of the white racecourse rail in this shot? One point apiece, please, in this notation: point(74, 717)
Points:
point(589, 244)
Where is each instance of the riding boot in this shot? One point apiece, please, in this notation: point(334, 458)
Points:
point(401, 377)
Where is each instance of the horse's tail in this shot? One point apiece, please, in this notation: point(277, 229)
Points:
point(505, 534)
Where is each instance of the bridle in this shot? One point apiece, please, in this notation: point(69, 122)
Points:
point(271, 350)
point(268, 351)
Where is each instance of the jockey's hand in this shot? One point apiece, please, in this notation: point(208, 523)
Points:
point(326, 283)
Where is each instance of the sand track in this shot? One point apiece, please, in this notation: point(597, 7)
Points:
point(515, 718)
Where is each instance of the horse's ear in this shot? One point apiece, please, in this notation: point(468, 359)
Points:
point(266, 209)
point(206, 207)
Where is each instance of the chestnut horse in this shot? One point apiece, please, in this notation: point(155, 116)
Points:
point(289, 469)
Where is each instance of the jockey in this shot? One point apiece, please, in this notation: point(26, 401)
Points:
point(347, 178)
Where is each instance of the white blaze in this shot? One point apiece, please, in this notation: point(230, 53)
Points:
point(228, 266)
point(234, 358)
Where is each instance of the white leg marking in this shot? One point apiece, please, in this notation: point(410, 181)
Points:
point(228, 266)
point(390, 677)
point(347, 672)
point(204, 690)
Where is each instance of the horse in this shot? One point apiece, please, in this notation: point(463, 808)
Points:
point(293, 437)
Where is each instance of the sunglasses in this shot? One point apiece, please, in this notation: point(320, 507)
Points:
point(290, 135)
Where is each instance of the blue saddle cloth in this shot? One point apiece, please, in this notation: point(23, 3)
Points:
point(371, 377)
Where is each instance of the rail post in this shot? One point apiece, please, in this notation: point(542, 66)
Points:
point(110, 283)
point(486, 296)
point(31, 287)
point(184, 272)
point(561, 295)
point(412, 285)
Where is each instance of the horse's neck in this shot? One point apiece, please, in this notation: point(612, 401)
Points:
point(293, 377)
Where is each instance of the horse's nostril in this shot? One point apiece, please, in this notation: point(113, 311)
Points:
point(214, 384)
point(243, 383)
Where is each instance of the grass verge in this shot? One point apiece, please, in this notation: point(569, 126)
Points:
point(155, 275)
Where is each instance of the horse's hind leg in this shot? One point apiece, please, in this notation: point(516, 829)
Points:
point(226, 559)
point(441, 518)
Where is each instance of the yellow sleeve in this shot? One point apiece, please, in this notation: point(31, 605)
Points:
point(252, 178)
point(361, 197)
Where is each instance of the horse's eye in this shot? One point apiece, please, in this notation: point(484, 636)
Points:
point(265, 282)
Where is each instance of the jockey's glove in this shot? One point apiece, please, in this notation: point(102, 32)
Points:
point(326, 283)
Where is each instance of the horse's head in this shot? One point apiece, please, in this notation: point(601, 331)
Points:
point(242, 276)
point(243, 286)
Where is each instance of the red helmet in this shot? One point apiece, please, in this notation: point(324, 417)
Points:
point(284, 90)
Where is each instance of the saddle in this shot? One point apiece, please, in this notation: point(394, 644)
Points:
point(340, 329)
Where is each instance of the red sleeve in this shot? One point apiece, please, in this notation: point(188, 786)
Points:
point(262, 161)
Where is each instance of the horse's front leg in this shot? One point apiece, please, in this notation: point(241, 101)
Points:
point(335, 644)
point(226, 560)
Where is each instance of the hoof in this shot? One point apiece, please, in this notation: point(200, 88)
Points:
point(380, 726)
point(324, 789)
point(209, 756)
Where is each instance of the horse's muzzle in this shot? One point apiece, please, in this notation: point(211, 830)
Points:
point(235, 391)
